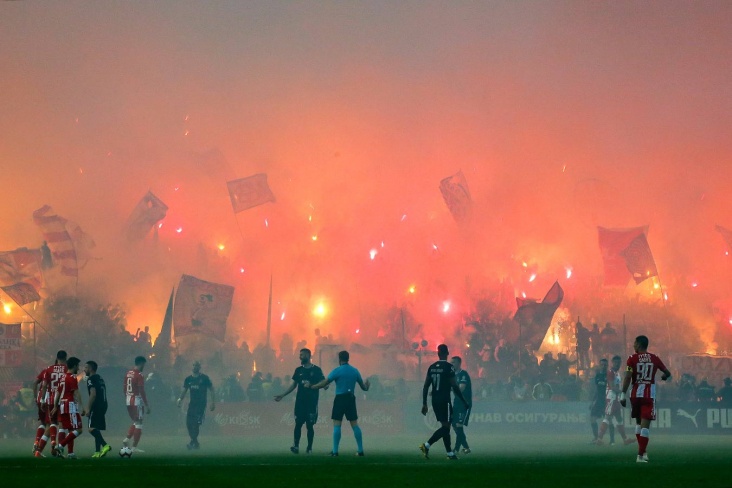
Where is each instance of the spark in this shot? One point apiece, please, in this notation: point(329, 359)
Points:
point(160, 225)
point(569, 273)
point(726, 253)
point(524, 264)
point(404, 217)
point(7, 308)
point(665, 296)
point(186, 118)
point(320, 310)
point(179, 230)
point(242, 270)
point(221, 247)
point(694, 284)
point(445, 306)
point(373, 253)
point(382, 243)
point(412, 289)
point(467, 345)
point(656, 286)
point(315, 238)
point(176, 188)
point(266, 223)
point(434, 246)
point(523, 294)
point(310, 218)
point(81, 171)
point(358, 330)
point(282, 317)
point(730, 321)
point(532, 277)
point(186, 133)
point(564, 168)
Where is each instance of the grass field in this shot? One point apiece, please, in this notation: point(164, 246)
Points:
point(562, 461)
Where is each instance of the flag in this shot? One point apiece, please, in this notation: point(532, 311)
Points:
point(535, 317)
point(21, 293)
point(639, 259)
point(58, 239)
point(612, 243)
point(249, 192)
point(455, 191)
point(21, 266)
point(201, 307)
point(726, 235)
point(10, 345)
point(146, 214)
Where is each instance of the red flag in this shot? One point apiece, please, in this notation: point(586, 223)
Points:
point(726, 235)
point(21, 293)
point(21, 266)
point(148, 212)
point(249, 192)
point(455, 191)
point(639, 259)
point(201, 307)
point(59, 240)
point(535, 317)
point(612, 243)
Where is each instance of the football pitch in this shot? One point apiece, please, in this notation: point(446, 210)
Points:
point(562, 461)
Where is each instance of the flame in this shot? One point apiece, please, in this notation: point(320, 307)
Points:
point(221, 247)
point(7, 308)
point(314, 238)
point(532, 277)
point(179, 230)
point(412, 289)
point(569, 273)
point(373, 253)
point(320, 310)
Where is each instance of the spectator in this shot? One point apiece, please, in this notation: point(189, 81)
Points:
point(542, 391)
point(255, 390)
point(705, 392)
point(596, 342)
point(583, 346)
point(725, 393)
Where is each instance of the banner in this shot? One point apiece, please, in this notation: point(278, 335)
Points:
point(21, 293)
point(146, 214)
point(714, 368)
point(270, 418)
point(21, 266)
point(10, 346)
point(456, 194)
point(639, 260)
point(534, 317)
point(201, 307)
point(249, 192)
point(612, 243)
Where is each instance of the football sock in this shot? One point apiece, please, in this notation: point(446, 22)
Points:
point(98, 440)
point(298, 432)
point(427, 445)
point(637, 433)
point(336, 437)
point(593, 424)
point(447, 439)
point(643, 441)
point(53, 433)
point(42, 442)
point(70, 444)
point(460, 439)
point(39, 432)
point(61, 436)
point(69, 438)
point(603, 429)
point(359, 437)
point(131, 431)
point(311, 434)
point(611, 429)
point(136, 438)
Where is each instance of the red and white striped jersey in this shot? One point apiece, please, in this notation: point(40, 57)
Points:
point(644, 367)
point(614, 382)
point(135, 389)
point(52, 376)
point(66, 388)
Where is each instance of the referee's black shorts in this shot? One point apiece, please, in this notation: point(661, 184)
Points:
point(443, 410)
point(344, 404)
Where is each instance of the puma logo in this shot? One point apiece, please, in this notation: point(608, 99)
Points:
point(683, 413)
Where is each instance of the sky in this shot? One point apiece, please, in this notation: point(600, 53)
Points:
point(563, 116)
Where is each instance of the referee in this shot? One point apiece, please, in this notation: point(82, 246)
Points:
point(97, 408)
point(345, 377)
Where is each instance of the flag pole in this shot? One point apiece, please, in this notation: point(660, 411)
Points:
point(269, 310)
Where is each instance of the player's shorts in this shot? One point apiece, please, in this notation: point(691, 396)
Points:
point(344, 404)
point(460, 414)
point(612, 409)
point(97, 420)
point(195, 415)
point(597, 409)
point(136, 412)
point(69, 415)
point(306, 412)
point(443, 411)
point(643, 408)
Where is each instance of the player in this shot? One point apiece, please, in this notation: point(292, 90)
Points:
point(136, 401)
point(38, 387)
point(461, 414)
point(96, 408)
point(641, 371)
point(345, 377)
point(67, 403)
point(597, 408)
point(306, 399)
point(199, 384)
point(613, 411)
point(49, 379)
point(441, 377)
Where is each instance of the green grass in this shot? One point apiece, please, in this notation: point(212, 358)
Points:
point(562, 461)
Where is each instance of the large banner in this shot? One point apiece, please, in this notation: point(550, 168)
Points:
point(201, 307)
point(713, 368)
point(10, 350)
point(270, 418)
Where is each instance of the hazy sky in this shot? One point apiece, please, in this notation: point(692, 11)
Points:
point(562, 115)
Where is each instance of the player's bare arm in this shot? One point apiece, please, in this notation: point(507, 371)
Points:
point(180, 400)
point(77, 399)
point(318, 385)
point(458, 392)
point(364, 385)
point(425, 392)
point(626, 384)
point(293, 385)
point(666, 375)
